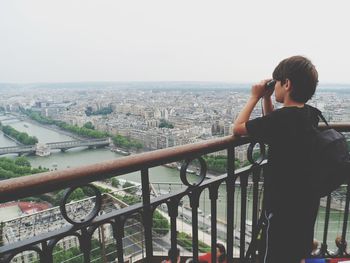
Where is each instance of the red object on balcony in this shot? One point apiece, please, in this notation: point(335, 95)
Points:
point(206, 258)
point(339, 260)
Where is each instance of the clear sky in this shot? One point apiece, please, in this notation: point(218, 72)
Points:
point(178, 40)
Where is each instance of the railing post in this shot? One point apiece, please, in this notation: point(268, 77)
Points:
point(147, 214)
point(173, 213)
point(101, 237)
point(345, 222)
point(6, 259)
point(230, 189)
point(213, 195)
point(324, 251)
point(47, 252)
point(256, 178)
point(243, 183)
point(85, 245)
point(194, 202)
point(118, 233)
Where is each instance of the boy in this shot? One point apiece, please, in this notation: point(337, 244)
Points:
point(290, 207)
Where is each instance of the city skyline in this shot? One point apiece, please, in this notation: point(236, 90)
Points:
point(145, 113)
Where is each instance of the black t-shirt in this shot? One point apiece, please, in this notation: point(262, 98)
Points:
point(287, 133)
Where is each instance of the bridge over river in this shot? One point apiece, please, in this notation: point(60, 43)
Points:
point(63, 146)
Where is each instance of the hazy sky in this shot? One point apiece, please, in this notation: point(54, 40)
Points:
point(179, 40)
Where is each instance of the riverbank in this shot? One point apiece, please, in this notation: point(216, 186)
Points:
point(55, 128)
point(86, 131)
point(11, 138)
point(22, 138)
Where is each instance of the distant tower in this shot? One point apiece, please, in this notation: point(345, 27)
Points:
point(165, 114)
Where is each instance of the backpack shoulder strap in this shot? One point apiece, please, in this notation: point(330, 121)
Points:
point(323, 118)
point(309, 119)
point(319, 114)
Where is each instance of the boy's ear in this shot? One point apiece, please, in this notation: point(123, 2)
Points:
point(288, 85)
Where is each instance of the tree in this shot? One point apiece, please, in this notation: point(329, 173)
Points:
point(4, 174)
point(160, 223)
point(10, 169)
point(130, 189)
point(19, 136)
point(88, 111)
point(103, 111)
point(22, 161)
point(89, 125)
point(83, 131)
point(124, 142)
point(69, 255)
point(115, 182)
point(77, 194)
point(164, 124)
point(2, 224)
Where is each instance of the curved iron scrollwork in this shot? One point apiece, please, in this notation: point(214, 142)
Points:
point(202, 173)
point(93, 213)
point(9, 257)
point(250, 153)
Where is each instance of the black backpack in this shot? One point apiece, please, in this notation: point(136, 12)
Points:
point(330, 160)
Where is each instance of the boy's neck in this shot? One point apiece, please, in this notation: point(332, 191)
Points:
point(299, 105)
point(289, 102)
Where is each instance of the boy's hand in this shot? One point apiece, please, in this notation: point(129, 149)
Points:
point(259, 90)
point(268, 93)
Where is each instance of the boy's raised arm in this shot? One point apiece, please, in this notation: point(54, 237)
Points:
point(239, 127)
point(258, 90)
point(268, 105)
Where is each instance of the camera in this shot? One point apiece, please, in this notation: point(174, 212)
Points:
point(271, 84)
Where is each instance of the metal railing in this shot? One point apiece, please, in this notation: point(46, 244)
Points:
point(83, 229)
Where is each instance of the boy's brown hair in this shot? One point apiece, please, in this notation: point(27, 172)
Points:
point(301, 73)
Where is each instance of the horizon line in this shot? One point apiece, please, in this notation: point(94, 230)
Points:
point(148, 81)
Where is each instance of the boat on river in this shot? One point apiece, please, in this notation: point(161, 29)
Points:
point(170, 165)
point(187, 170)
point(119, 151)
point(42, 149)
